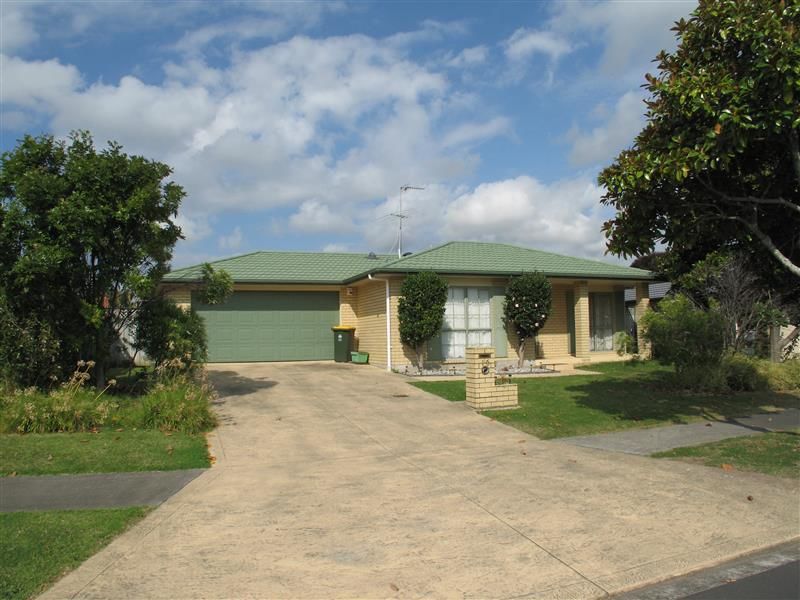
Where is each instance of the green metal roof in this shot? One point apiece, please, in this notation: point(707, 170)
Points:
point(288, 267)
point(485, 258)
point(467, 258)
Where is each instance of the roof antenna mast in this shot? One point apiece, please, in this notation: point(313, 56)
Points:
point(401, 215)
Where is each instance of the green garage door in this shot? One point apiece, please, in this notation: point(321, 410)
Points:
point(268, 326)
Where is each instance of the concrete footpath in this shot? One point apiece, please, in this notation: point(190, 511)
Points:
point(645, 442)
point(97, 490)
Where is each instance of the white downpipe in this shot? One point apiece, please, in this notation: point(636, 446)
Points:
point(388, 322)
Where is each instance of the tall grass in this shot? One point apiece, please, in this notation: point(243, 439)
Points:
point(176, 400)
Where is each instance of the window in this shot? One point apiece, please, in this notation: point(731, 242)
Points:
point(467, 321)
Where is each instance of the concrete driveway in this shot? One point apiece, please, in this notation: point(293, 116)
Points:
point(343, 481)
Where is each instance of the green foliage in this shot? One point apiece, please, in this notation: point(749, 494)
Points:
point(82, 233)
point(176, 401)
point(624, 343)
point(747, 373)
point(421, 310)
point(179, 401)
point(165, 332)
point(527, 306)
point(29, 352)
point(718, 163)
point(217, 285)
point(690, 338)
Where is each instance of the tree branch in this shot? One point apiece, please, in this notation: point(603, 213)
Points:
point(752, 199)
point(766, 241)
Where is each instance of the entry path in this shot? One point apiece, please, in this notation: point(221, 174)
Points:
point(97, 490)
point(660, 439)
point(343, 481)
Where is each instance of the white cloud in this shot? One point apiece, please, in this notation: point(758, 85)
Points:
point(564, 216)
point(232, 241)
point(604, 142)
point(315, 217)
point(470, 133)
point(16, 30)
point(36, 84)
point(524, 43)
point(336, 247)
point(468, 57)
point(631, 33)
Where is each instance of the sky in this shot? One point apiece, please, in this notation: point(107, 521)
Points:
point(293, 125)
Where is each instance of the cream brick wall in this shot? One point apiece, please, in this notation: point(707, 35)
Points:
point(552, 340)
point(581, 308)
point(371, 321)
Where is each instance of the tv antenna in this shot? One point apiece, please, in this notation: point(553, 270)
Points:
point(401, 216)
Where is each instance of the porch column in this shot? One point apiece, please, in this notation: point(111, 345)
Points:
point(642, 304)
point(581, 319)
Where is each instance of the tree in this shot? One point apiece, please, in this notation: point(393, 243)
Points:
point(726, 284)
point(421, 310)
point(165, 332)
point(527, 306)
point(84, 235)
point(717, 165)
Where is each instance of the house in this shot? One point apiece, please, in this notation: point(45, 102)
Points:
point(656, 292)
point(284, 303)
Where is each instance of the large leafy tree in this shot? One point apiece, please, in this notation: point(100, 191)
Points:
point(83, 234)
point(527, 307)
point(420, 310)
point(718, 164)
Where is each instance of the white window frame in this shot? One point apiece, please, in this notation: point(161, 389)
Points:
point(465, 326)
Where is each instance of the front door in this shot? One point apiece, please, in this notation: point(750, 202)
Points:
point(602, 322)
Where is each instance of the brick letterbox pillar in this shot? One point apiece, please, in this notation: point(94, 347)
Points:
point(482, 391)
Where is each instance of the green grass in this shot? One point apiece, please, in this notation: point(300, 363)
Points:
point(104, 452)
point(36, 548)
point(770, 453)
point(624, 395)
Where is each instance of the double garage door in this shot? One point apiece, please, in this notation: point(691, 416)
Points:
point(271, 326)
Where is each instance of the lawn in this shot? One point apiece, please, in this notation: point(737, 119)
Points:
point(770, 453)
point(623, 395)
point(36, 548)
point(107, 451)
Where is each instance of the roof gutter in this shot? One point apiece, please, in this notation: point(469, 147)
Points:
point(388, 321)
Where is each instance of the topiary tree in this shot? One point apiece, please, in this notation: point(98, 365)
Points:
point(527, 306)
point(421, 310)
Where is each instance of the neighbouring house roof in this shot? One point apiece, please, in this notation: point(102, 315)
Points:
point(657, 291)
point(466, 258)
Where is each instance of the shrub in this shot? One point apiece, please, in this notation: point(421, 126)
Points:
point(781, 376)
point(744, 373)
point(689, 338)
point(527, 306)
point(420, 310)
point(624, 343)
point(179, 401)
point(166, 332)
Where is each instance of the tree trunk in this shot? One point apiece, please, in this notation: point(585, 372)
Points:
point(420, 350)
point(521, 353)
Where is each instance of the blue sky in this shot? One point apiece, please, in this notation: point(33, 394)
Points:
point(292, 125)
